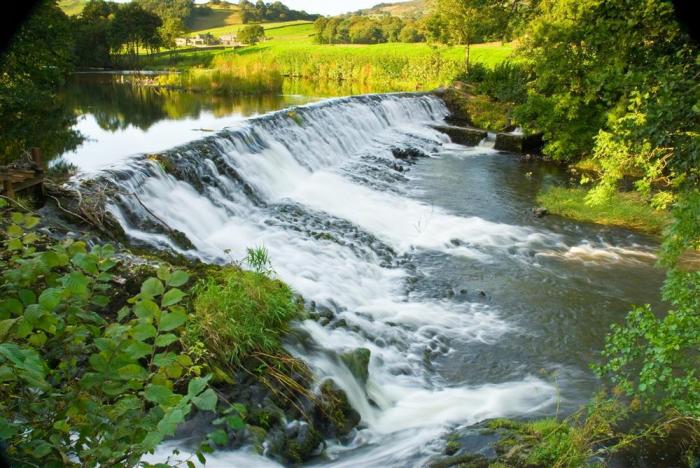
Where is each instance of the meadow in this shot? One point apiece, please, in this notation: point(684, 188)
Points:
point(290, 50)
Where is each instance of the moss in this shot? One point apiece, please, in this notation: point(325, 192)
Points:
point(238, 313)
point(625, 209)
point(468, 108)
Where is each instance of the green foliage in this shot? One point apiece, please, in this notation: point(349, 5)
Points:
point(624, 209)
point(251, 34)
point(240, 312)
point(31, 70)
point(367, 30)
point(261, 11)
point(655, 358)
point(505, 81)
point(85, 380)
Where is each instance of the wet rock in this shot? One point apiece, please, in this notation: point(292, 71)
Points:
point(518, 143)
point(357, 362)
point(334, 415)
point(468, 136)
point(410, 155)
point(540, 212)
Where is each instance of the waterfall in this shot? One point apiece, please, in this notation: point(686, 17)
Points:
point(326, 189)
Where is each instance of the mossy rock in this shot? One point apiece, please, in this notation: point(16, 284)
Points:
point(357, 362)
point(334, 414)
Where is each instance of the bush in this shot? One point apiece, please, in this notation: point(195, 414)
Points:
point(87, 379)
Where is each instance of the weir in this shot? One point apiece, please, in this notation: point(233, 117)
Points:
point(326, 189)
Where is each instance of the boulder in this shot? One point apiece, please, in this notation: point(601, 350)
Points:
point(540, 212)
point(519, 143)
point(357, 362)
point(467, 136)
point(334, 415)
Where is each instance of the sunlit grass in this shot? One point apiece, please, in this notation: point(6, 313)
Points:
point(625, 209)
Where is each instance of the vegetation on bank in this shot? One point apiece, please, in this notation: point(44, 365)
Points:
point(102, 357)
point(622, 209)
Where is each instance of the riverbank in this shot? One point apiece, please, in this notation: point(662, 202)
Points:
point(191, 351)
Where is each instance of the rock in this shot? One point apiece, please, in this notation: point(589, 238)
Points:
point(410, 155)
point(357, 362)
point(334, 415)
point(462, 135)
point(540, 212)
point(296, 443)
point(519, 143)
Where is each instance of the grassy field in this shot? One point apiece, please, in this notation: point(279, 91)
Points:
point(215, 16)
point(289, 29)
point(72, 7)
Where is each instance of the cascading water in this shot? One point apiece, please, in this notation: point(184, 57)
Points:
point(325, 189)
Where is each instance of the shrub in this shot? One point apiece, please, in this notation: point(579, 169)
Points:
point(86, 379)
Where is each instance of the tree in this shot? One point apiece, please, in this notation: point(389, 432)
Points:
point(92, 34)
point(31, 71)
point(251, 34)
point(461, 21)
point(135, 28)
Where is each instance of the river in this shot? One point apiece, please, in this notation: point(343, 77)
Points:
point(472, 307)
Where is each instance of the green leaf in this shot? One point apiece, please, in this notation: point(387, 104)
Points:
point(6, 327)
point(172, 320)
point(158, 394)
point(14, 245)
point(50, 298)
point(219, 437)
point(172, 297)
point(162, 340)
point(27, 296)
point(235, 422)
point(143, 331)
point(138, 349)
point(170, 421)
point(10, 307)
point(197, 385)
point(76, 283)
point(14, 231)
point(152, 287)
point(146, 309)
point(178, 278)
point(206, 401)
point(87, 262)
point(164, 359)
point(163, 273)
point(132, 372)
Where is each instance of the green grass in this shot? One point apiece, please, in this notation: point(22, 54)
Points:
point(290, 29)
point(219, 16)
point(72, 7)
point(625, 209)
point(238, 312)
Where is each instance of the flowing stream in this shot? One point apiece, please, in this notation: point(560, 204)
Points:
point(472, 308)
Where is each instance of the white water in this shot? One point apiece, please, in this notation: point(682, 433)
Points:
point(333, 168)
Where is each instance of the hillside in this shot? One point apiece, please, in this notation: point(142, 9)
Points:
point(410, 9)
point(72, 7)
point(211, 16)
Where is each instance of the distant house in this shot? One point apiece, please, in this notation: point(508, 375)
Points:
point(230, 40)
point(198, 40)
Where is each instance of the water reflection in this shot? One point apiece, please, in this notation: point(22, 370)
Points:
point(119, 119)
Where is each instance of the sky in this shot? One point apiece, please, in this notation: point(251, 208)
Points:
point(325, 7)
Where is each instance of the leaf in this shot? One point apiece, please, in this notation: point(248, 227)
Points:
point(172, 320)
point(76, 283)
point(219, 437)
point(163, 273)
point(170, 421)
point(178, 278)
point(164, 359)
point(6, 327)
point(146, 309)
point(197, 385)
point(206, 401)
point(27, 296)
point(143, 331)
point(172, 297)
point(152, 287)
point(138, 349)
point(87, 262)
point(132, 372)
point(162, 340)
point(158, 394)
point(235, 422)
point(10, 307)
point(50, 298)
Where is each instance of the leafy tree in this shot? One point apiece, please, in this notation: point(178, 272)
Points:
point(135, 28)
point(93, 41)
point(31, 71)
point(459, 22)
point(251, 34)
